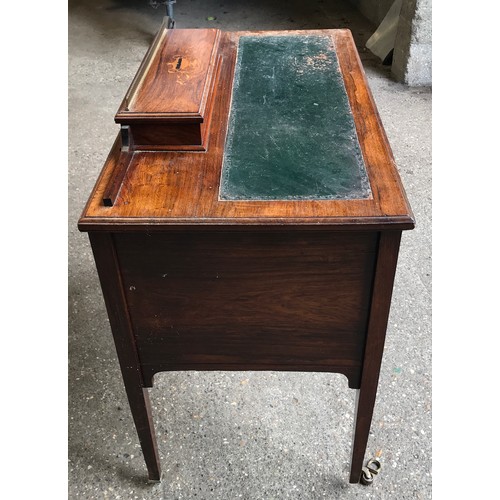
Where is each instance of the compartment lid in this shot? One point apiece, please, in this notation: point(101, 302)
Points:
point(174, 83)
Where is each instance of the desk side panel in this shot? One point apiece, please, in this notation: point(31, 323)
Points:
point(248, 300)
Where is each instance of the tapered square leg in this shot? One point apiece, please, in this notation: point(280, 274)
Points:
point(365, 402)
point(375, 338)
point(140, 407)
point(126, 349)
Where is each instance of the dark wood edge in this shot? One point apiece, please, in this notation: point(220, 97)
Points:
point(353, 374)
point(157, 118)
point(243, 224)
point(142, 148)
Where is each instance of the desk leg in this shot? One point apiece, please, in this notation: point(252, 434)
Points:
point(377, 324)
point(116, 305)
point(138, 398)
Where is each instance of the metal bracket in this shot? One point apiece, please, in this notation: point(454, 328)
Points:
point(125, 135)
point(169, 6)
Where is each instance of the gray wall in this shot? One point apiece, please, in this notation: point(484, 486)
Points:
point(412, 61)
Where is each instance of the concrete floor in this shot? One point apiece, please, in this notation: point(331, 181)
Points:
point(250, 435)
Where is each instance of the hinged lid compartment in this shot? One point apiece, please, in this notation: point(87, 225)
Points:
point(169, 103)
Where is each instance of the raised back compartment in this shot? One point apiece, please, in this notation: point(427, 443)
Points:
point(169, 103)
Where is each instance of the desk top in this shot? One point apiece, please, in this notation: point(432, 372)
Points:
point(294, 138)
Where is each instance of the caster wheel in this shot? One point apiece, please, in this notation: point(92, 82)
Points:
point(366, 476)
point(374, 466)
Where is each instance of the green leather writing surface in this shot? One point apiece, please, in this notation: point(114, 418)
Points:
point(291, 133)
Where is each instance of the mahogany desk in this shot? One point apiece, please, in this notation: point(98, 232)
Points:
point(248, 216)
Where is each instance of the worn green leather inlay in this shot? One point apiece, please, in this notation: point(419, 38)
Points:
point(291, 134)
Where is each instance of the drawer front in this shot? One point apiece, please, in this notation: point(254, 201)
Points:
point(251, 299)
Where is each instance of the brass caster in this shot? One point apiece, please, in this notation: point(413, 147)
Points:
point(369, 472)
point(374, 466)
point(366, 476)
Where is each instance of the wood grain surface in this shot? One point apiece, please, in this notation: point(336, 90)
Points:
point(249, 298)
point(172, 189)
point(175, 86)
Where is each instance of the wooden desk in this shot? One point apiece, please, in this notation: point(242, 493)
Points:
point(248, 216)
